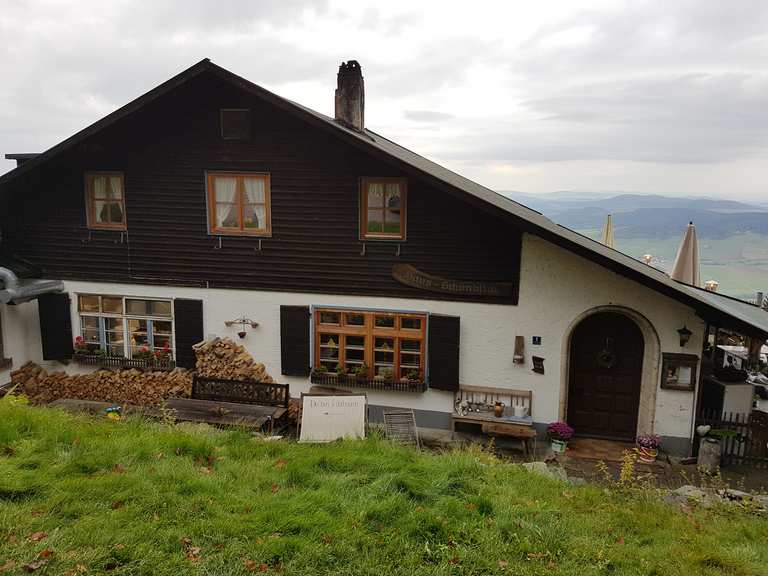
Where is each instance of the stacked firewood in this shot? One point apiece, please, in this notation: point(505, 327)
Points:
point(144, 387)
point(217, 358)
point(224, 358)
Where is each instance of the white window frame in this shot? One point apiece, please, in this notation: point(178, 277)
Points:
point(150, 319)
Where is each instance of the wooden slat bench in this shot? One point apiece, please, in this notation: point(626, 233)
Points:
point(255, 399)
point(484, 398)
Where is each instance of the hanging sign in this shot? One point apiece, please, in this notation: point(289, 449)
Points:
point(328, 418)
point(415, 278)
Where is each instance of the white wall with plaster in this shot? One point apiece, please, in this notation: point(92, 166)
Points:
point(557, 288)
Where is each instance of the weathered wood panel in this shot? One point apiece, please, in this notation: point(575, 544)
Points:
point(164, 151)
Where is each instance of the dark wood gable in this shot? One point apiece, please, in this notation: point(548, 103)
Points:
point(164, 151)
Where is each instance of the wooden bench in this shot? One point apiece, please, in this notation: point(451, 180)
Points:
point(481, 400)
point(270, 398)
point(240, 391)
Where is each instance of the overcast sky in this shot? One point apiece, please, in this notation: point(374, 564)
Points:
point(650, 96)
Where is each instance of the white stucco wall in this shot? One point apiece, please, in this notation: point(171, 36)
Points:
point(557, 287)
point(21, 336)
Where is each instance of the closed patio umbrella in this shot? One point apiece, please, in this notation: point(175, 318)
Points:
point(686, 267)
point(607, 238)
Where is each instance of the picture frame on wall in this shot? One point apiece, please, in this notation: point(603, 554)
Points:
point(678, 371)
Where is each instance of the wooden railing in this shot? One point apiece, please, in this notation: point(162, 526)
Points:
point(332, 380)
point(123, 363)
point(745, 437)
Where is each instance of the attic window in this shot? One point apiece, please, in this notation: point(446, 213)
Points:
point(105, 201)
point(382, 208)
point(235, 124)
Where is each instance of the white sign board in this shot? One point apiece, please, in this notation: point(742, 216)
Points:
point(328, 418)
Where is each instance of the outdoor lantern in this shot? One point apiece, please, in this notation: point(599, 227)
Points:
point(685, 335)
point(243, 323)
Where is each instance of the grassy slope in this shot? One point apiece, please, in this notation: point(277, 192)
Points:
point(107, 501)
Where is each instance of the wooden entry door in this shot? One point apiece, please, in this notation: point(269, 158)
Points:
point(605, 371)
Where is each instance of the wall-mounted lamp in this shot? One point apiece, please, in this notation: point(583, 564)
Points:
point(685, 335)
point(243, 323)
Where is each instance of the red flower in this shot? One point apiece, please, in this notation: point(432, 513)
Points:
point(143, 349)
point(79, 340)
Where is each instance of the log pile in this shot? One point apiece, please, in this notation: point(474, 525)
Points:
point(125, 386)
point(226, 359)
point(217, 358)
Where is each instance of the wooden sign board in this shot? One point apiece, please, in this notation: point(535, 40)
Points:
point(328, 418)
point(415, 278)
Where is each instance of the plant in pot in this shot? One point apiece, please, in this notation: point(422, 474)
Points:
point(321, 370)
point(647, 447)
point(80, 347)
point(358, 371)
point(559, 433)
point(340, 370)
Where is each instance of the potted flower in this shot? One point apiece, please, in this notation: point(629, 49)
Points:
point(359, 370)
point(340, 370)
point(81, 348)
point(647, 447)
point(559, 433)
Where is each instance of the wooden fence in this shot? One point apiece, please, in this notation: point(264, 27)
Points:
point(744, 436)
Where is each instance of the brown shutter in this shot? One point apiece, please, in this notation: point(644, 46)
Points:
point(294, 340)
point(188, 330)
point(444, 352)
point(55, 326)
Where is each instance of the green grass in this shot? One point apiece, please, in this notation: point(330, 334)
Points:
point(122, 497)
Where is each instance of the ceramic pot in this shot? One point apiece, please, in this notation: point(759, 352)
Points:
point(498, 410)
point(647, 455)
point(559, 446)
point(521, 411)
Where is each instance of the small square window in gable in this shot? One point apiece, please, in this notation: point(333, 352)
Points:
point(235, 124)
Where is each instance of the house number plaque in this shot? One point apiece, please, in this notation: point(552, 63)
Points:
point(415, 278)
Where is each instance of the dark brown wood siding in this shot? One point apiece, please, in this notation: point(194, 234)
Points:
point(165, 149)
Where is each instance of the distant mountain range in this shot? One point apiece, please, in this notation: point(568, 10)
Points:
point(649, 216)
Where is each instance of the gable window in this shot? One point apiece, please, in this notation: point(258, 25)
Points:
point(126, 327)
point(384, 345)
point(105, 200)
point(235, 124)
point(383, 208)
point(239, 203)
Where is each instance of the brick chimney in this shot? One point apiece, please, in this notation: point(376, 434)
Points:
point(350, 95)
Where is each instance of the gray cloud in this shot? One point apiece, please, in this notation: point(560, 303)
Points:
point(427, 116)
point(695, 119)
point(667, 83)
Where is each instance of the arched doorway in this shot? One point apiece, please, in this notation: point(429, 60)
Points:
point(605, 375)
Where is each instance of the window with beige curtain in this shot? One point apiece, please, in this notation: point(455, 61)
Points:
point(238, 203)
point(383, 208)
point(105, 200)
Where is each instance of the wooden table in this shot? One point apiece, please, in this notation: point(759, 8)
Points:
point(225, 413)
point(519, 428)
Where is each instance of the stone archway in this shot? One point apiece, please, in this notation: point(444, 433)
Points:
point(611, 360)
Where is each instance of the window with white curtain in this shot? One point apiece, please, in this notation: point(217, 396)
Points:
point(238, 203)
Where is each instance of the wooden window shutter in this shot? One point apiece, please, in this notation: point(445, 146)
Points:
point(444, 352)
point(55, 326)
point(294, 340)
point(188, 328)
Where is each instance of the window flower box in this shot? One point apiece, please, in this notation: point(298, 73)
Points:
point(332, 379)
point(123, 363)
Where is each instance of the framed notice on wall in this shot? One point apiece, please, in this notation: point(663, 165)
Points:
point(678, 371)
